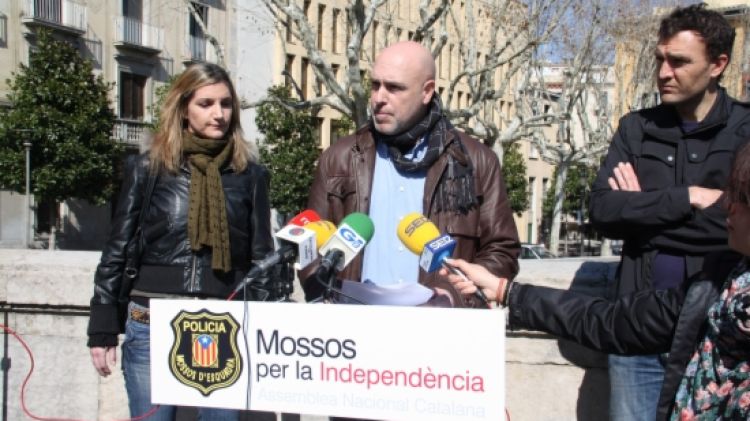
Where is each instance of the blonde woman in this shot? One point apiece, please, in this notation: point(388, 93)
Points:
point(206, 220)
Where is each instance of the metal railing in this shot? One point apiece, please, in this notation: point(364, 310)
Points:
point(130, 132)
point(66, 13)
point(132, 31)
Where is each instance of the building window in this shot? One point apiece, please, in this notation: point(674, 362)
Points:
point(288, 68)
point(321, 14)
point(348, 27)
point(132, 88)
point(335, 30)
point(440, 66)
point(133, 9)
point(319, 121)
point(374, 39)
point(335, 69)
point(533, 151)
point(3, 30)
point(338, 130)
point(289, 29)
point(306, 9)
point(197, 37)
point(450, 61)
point(303, 77)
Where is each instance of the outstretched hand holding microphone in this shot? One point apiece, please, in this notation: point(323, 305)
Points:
point(423, 238)
point(477, 278)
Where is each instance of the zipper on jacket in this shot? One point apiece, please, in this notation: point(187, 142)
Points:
point(192, 275)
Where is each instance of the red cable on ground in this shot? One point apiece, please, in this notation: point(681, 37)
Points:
point(28, 376)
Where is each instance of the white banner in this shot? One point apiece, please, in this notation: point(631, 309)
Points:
point(377, 362)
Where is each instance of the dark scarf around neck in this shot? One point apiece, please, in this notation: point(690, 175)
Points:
point(207, 212)
point(455, 190)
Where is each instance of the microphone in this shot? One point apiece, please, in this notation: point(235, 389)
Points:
point(354, 232)
point(323, 231)
point(297, 244)
point(305, 217)
point(422, 237)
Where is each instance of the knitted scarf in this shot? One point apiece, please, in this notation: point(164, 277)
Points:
point(455, 191)
point(207, 211)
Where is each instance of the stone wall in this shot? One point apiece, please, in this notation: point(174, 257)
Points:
point(45, 295)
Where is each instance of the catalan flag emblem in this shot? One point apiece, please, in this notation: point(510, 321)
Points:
point(204, 354)
point(205, 351)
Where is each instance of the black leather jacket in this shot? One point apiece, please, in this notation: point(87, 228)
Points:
point(644, 322)
point(485, 235)
point(168, 265)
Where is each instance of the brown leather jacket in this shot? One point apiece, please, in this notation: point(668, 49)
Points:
point(486, 235)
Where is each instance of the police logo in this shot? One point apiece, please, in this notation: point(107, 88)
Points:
point(204, 355)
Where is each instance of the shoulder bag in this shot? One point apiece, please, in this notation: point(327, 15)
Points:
point(133, 252)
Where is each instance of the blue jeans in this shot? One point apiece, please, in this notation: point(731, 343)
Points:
point(136, 368)
point(634, 384)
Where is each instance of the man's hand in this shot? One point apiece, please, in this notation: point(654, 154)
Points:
point(104, 358)
point(702, 197)
point(624, 178)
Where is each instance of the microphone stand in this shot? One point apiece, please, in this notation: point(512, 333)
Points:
point(283, 285)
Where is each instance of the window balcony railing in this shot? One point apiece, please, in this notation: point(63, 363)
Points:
point(136, 33)
point(60, 13)
point(130, 132)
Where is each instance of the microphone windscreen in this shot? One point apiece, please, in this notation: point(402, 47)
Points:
point(305, 217)
point(361, 224)
point(323, 231)
point(415, 230)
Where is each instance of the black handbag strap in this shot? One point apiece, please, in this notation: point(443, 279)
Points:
point(135, 245)
point(144, 210)
point(147, 198)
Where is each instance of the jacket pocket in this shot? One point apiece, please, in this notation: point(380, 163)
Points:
point(713, 168)
point(656, 165)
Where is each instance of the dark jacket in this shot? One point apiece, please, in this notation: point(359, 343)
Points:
point(485, 235)
point(168, 265)
point(667, 161)
point(643, 322)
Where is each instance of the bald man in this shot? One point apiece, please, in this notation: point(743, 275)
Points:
point(409, 158)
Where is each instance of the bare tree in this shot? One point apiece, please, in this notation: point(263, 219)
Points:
point(491, 41)
point(350, 96)
point(572, 105)
point(582, 107)
point(496, 41)
point(496, 45)
point(500, 48)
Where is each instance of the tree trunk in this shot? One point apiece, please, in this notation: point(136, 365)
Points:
point(52, 226)
point(554, 235)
